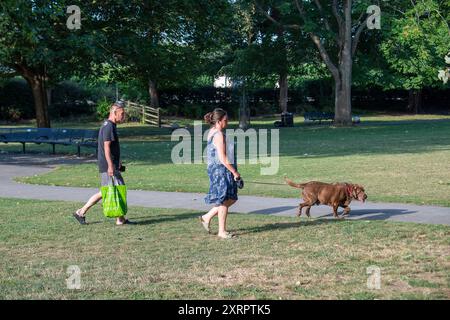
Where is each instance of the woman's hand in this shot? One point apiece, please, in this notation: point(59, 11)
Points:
point(236, 175)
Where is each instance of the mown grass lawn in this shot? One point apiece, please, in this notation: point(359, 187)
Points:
point(169, 256)
point(397, 158)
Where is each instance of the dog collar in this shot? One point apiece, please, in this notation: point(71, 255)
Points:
point(349, 190)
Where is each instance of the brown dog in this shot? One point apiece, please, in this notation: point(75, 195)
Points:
point(335, 195)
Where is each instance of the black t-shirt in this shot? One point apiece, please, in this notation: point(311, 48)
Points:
point(108, 132)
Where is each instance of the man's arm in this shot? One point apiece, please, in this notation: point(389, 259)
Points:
point(108, 158)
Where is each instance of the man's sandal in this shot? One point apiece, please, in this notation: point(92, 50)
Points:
point(81, 219)
point(126, 222)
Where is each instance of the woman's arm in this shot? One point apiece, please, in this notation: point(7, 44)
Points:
point(219, 142)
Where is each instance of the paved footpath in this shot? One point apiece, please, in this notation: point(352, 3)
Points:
point(15, 165)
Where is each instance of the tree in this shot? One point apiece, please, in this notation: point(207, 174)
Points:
point(161, 43)
point(36, 44)
point(335, 28)
point(259, 54)
point(280, 50)
point(415, 42)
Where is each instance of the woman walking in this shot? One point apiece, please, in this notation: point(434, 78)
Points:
point(222, 173)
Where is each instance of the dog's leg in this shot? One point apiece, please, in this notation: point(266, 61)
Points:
point(307, 211)
point(335, 211)
point(346, 210)
point(300, 207)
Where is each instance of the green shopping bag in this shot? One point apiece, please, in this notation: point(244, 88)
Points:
point(114, 199)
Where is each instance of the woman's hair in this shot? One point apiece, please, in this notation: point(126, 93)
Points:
point(215, 116)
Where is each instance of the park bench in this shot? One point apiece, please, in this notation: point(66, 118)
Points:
point(60, 136)
point(318, 116)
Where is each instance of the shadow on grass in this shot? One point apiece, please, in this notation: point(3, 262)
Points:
point(147, 220)
point(365, 214)
point(371, 138)
point(306, 141)
point(368, 214)
point(378, 214)
point(287, 225)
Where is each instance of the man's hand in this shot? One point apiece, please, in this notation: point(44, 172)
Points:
point(108, 158)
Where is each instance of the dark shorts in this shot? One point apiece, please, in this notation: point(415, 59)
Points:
point(107, 180)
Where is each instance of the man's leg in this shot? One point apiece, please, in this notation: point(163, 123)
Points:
point(92, 201)
point(80, 213)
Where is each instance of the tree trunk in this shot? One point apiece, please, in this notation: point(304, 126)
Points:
point(37, 83)
point(283, 82)
point(415, 101)
point(40, 102)
point(342, 105)
point(244, 114)
point(49, 95)
point(343, 95)
point(153, 92)
point(343, 85)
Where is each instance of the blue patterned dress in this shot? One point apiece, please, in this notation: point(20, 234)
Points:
point(222, 186)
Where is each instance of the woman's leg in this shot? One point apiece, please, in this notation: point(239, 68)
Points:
point(211, 213)
point(223, 213)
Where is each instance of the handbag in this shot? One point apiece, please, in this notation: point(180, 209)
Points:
point(114, 199)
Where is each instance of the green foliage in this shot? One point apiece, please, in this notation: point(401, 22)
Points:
point(179, 43)
point(13, 114)
point(167, 42)
point(444, 74)
point(415, 42)
point(102, 109)
point(16, 94)
point(35, 34)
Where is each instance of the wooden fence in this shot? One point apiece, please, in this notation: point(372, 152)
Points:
point(149, 115)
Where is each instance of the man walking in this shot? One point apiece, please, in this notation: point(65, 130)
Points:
point(109, 163)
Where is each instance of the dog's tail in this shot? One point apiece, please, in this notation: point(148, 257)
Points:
point(293, 184)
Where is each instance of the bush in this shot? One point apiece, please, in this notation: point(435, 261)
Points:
point(16, 95)
point(14, 114)
point(102, 109)
point(133, 115)
point(70, 99)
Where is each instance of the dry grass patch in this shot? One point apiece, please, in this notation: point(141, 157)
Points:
point(169, 256)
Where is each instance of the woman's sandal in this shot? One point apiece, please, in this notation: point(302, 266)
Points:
point(204, 224)
point(228, 235)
